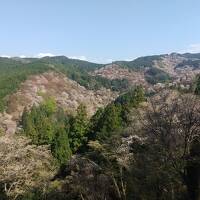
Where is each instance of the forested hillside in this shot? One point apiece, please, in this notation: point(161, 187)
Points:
point(100, 100)
point(141, 62)
point(121, 146)
point(15, 71)
point(74, 141)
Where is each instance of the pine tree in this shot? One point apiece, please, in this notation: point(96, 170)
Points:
point(24, 118)
point(47, 125)
point(197, 89)
point(49, 106)
point(78, 129)
point(45, 129)
point(60, 146)
point(112, 118)
point(29, 126)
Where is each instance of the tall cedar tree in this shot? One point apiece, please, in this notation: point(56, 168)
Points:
point(78, 128)
point(197, 89)
point(60, 146)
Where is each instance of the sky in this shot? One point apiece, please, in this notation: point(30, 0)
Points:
point(98, 30)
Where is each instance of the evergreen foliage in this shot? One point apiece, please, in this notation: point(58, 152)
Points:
point(15, 71)
point(48, 125)
point(78, 128)
point(12, 74)
point(197, 89)
point(155, 75)
point(140, 63)
point(195, 64)
point(45, 125)
point(115, 116)
point(60, 146)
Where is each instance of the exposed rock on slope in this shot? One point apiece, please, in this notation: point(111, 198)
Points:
point(67, 93)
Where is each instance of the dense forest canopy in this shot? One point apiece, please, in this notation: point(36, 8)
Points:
point(160, 158)
point(12, 74)
point(155, 75)
point(15, 71)
point(140, 63)
point(195, 64)
point(19, 69)
point(139, 146)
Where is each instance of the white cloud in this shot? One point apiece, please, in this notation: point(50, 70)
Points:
point(41, 55)
point(23, 56)
point(108, 60)
point(84, 58)
point(193, 48)
point(129, 59)
point(5, 56)
point(78, 57)
point(102, 60)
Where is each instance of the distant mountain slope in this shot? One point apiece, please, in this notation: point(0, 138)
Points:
point(194, 64)
point(29, 168)
point(79, 71)
point(166, 61)
point(67, 93)
point(81, 64)
point(191, 55)
point(14, 71)
point(179, 69)
point(115, 71)
point(140, 63)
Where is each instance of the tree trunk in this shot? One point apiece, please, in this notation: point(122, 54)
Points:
point(193, 181)
point(193, 172)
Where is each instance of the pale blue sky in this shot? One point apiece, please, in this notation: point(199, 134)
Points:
point(99, 30)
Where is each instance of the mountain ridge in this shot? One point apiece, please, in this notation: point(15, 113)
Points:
point(66, 124)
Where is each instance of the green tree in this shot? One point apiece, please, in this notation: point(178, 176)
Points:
point(197, 89)
point(49, 106)
point(111, 121)
point(29, 126)
point(78, 128)
point(95, 124)
point(38, 124)
point(45, 129)
point(115, 116)
point(47, 125)
point(60, 146)
point(172, 130)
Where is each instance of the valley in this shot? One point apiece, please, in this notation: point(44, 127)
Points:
point(68, 127)
point(68, 94)
point(100, 100)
